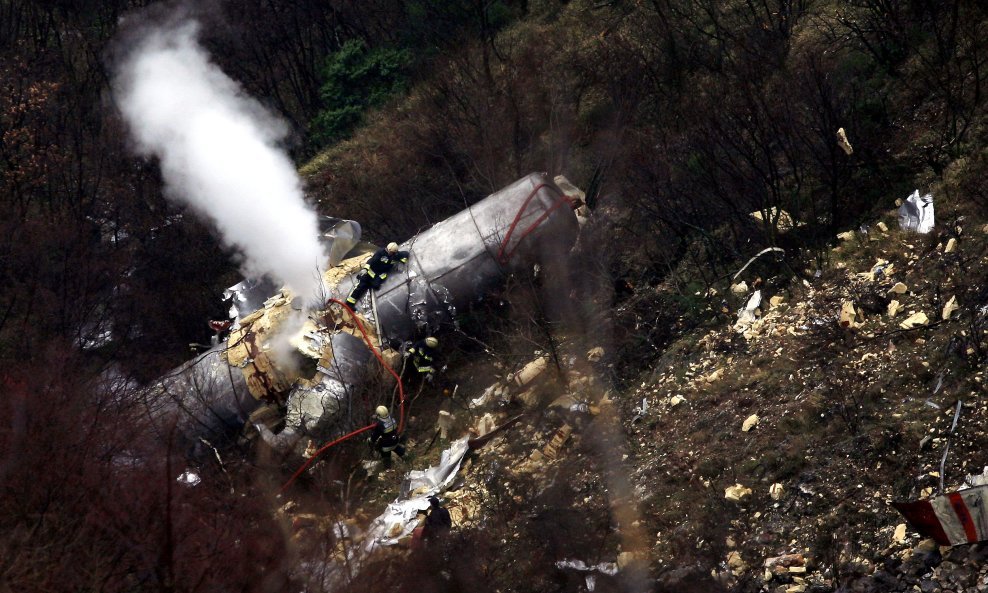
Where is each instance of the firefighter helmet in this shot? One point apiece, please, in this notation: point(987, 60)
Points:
point(392, 247)
point(432, 342)
point(382, 412)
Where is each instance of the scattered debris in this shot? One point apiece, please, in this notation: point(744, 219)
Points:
point(485, 425)
point(189, 478)
point(950, 519)
point(843, 142)
point(640, 410)
point(608, 568)
point(555, 444)
point(788, 226)
point(748, 314)
point(595, 354)
point(444, 423)
point(776, 491)
point(916, 213)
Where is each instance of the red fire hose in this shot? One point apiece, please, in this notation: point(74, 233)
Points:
point(401, 400)
point(504, 254)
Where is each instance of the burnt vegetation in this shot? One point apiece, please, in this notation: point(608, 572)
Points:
point(679, 118)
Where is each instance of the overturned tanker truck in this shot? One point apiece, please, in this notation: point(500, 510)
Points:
point(297, 374)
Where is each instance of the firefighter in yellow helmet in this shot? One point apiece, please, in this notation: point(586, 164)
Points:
point(423, 355)
point(384, 435)
point(376, 271)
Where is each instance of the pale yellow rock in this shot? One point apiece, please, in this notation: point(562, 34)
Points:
point(749, 423)
point(776, 491)
point(900, 533)
point(899, 288)
point(736, 563)
point(882, 227)
point(950, 307)
point(927, 545)
point(951, 245)
point(714, 376)
point(595, 354)
point(776, 301)
point(740, 288)
point(843, 142)
point(893, 308)
point(848, 315)
point(676, 400)
point(736, 492)
point(915, 320)
point(846, 235)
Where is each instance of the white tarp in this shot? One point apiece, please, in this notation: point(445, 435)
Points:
point(916, 213)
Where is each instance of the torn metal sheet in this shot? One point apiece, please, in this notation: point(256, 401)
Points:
point(399, 519)
point(608, 568)
point(748, 314)
point(916, 213)
point(951, 519)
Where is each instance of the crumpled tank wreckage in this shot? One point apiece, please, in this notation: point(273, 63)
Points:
point(318, 381)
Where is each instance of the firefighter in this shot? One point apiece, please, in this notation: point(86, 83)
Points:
point(437, 522)
point(422, 355)
point(376, 271)
point(384, 436)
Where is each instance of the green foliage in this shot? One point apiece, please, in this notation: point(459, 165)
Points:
point(357, 78)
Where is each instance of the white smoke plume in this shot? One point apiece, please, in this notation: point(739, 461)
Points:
point(219, 154)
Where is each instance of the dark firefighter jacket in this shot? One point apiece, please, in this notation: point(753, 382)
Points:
point(381, 263)
point(385, 434)
point(423, 357)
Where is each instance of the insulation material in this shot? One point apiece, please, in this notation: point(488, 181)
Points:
point(530, 371)
point(951, 519)
point(249, 348)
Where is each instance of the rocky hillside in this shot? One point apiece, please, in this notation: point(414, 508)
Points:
point(761, 452)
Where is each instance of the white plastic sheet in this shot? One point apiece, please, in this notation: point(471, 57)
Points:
point(916, 213)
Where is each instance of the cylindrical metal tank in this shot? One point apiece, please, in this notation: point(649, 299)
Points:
point(207, 397)
point(451, 265)
point(457, 261)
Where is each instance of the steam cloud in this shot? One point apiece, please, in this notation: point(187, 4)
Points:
point(219, 154)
